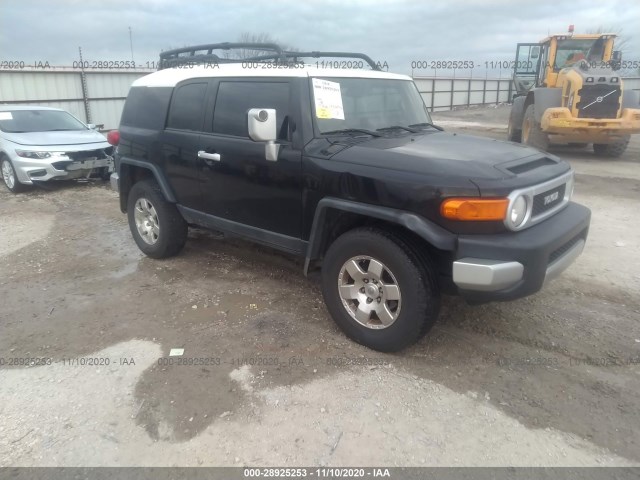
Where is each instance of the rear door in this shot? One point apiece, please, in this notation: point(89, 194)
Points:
point(180, 140)
point(263, 197)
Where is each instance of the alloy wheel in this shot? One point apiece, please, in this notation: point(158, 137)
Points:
point(146, 219)
point(370, 292)
point(8, 175)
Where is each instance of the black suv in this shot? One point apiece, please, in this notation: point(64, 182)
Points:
point(344, 168)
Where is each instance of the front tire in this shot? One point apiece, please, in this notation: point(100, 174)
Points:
point(156, 225)
point(378, 291)
point(612, 150)
point(532, 133)
point(9, 176)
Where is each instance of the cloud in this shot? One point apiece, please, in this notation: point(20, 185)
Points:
point(393, 31)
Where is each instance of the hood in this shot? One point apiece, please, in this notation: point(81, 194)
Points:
point(439, 153)
point(43, 139)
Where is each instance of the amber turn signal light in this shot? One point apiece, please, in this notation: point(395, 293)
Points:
point(475, 209)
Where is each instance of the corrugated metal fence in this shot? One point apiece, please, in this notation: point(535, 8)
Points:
point(97, 96)
point(445, 93)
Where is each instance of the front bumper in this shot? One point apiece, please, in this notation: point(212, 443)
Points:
point(29, 170)
point(559, 121)
point(516, 264)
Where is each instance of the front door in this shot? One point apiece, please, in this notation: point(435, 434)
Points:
point(238, 183)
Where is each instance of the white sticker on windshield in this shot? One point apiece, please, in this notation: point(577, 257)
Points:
point(6, 116)
point(328, 99)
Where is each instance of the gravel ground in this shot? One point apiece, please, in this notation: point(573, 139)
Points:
point(550, 380)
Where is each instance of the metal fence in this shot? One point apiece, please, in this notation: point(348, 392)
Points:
point(95, 96)
point(446, 93)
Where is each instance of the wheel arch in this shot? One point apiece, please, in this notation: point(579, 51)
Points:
point(541, 99)
point(131, 171)
point(334, 216)
point(518, 107)
point(19, 183)
point(630, 98)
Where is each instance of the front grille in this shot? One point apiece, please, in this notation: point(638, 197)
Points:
point(61, 165)
point(598, 101)
point(557, 253)
point(547, 200)
point(85, 154)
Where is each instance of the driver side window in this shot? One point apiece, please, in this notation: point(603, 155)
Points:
point(236, 98)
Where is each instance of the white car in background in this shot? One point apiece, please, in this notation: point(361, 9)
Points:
point(39, 144)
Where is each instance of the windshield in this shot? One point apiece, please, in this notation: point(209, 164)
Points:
point(572, 51)
point(366, 104)
point(22, 121)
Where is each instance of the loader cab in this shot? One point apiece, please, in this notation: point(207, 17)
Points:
point(538, 64)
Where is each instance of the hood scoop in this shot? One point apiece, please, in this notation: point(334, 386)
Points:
point(528, 165)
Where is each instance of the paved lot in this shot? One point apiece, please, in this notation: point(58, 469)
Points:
point(548, 380)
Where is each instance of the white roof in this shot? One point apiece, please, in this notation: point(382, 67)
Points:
point(171, 76)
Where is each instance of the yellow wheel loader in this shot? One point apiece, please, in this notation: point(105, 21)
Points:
point(569, 91)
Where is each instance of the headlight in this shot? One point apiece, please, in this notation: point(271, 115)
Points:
point(28, 154)
point(39, 155)
point(518, 211)
point(569, 188)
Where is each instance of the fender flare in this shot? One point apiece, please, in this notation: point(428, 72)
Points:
point(428, 231)
point(630, 99)
point(166, 189)
point(543, 98)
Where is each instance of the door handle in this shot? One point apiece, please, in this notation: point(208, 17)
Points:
point(209, 156)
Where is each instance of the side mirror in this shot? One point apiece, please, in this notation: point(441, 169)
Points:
point(262, 124)
point(535, 52)
point(92, 126)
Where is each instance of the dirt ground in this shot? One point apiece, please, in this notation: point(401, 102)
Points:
point(268, 379)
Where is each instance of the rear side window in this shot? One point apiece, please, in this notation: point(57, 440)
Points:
point(235, 99)
point(146, 107)
point(187, 107)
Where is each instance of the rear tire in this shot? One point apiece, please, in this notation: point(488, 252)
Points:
point(532, 133)
point(577, 145)
point(9, 176)
point(156, 225)
point(612, 150)
point(408, 300)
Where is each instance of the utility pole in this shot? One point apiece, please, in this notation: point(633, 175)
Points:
point(131, 43)
point(85, 92)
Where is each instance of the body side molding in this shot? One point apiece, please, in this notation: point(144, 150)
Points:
point(258, 235)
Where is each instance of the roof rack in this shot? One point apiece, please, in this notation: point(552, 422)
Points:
point(202, 54)
point(295, 55)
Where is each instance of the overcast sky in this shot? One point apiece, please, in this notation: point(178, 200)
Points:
point(393, 31)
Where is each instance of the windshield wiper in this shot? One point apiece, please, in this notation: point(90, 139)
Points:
point(427, 124)
point(352, 130)
point(396, 127)
point(61, 130)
